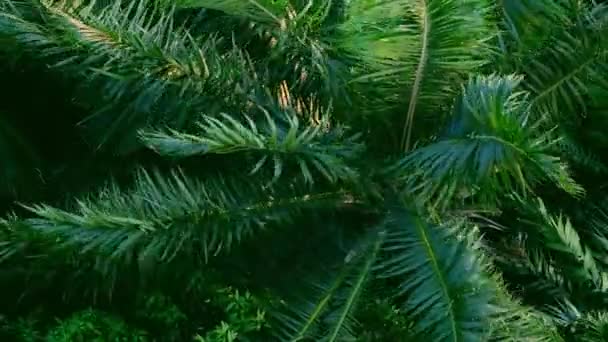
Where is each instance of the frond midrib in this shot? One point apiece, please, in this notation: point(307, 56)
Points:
point(424, 56)
point(250, 210)
point(426, 244)
point(566, 77)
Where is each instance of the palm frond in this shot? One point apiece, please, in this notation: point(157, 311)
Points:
point(594, 218)
point(580, 326)
point(581, 157)
point(131, 52)
point(16, 239)
point(328, 315)
point(161, 218)
point(341, 322)
point(557, 234)
point(304, 318)
point(443, 285)
point(414, 61)
point(542, 274)
point(292, 33)
point(521, 263)
point(492, 143)
point(559, 77)
point(529, 23)
point(564, 313)
point(524, 324)
point(274, 142)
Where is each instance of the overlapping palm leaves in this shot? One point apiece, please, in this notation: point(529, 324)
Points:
point(400, 62)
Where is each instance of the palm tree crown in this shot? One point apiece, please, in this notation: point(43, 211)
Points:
point(442, 157)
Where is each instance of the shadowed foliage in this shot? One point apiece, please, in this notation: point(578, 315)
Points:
point(303, 170)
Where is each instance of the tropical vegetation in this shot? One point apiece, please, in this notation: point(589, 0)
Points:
point(303, 170)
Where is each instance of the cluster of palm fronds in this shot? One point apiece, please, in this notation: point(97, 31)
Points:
point(446, 157)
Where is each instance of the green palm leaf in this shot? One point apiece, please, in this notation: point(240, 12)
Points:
point(443, 284)
point(131, 52)
point(16, 239)
point(557, 235)
point(437, 43)
point(561, 75)
point(161, 218)
point(491, 143)
point(531, 22)
point(521, 323)
point(341, 320)
point(330, 316)
point(581, 156)
point(315, 147)
point(292, 33)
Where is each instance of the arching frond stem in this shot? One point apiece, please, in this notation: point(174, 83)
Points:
point(424, 55)
point(426, 244)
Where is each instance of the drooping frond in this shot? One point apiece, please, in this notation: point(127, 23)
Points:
point(165, 217)
point(292, 33)
point(142, 66)
point(412, 53)
point(273, 142)
point(443, 285)
point(328, 315)
point(561, 75)
point(529, 23)
point(491, 145)
point(557, 235)
point(34, 257)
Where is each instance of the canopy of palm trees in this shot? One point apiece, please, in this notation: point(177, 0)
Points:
point(360, 170)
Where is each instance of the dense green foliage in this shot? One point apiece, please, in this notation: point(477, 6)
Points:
point(303, 170)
